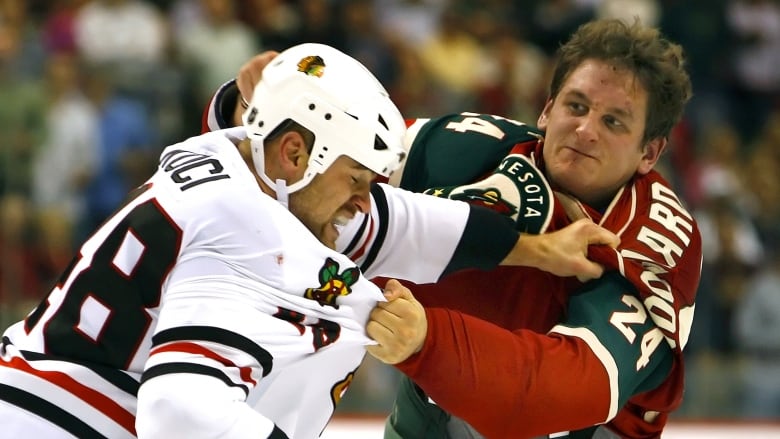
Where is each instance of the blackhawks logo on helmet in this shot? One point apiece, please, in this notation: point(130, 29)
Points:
point(312, 65)
point(334, 284)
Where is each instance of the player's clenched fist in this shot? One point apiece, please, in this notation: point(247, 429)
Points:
point(398, 326)
point(563, 252)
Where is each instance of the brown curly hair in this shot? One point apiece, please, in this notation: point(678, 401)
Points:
point(657, 62)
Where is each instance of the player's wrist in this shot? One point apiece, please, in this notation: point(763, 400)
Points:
point(529, 251)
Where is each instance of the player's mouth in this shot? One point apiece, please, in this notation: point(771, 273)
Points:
point(339, 222)
point(579, 152)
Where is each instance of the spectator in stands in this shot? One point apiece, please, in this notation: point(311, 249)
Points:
point(757, 326)
point(215, 46)
point(65, 160)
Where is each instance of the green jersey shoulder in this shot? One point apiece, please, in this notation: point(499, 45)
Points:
point(454, 148)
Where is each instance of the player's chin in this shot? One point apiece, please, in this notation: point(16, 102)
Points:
point(329, 235)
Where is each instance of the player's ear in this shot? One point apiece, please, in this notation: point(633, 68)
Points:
point(652, 152)
point(294, 155)
point(544, 118)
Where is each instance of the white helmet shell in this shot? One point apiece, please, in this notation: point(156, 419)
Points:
point(337, 99)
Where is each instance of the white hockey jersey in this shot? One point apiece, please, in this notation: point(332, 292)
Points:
point(236, 319)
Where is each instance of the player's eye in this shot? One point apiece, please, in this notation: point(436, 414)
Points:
point(577, 108)
point(613, 122)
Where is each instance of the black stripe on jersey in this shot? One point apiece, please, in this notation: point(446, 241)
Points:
point(46, 410)
point(278, 434)
point(381, 206)
point(487, 240)
point(217, 335)
point(199, 369)
point(358, 236)
point(116, 377)
point(224, 104)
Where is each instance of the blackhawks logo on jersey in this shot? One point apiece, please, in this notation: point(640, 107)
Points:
point(334, 284)
point(312, 65)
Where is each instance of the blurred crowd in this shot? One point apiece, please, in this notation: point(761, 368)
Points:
point(92, 90)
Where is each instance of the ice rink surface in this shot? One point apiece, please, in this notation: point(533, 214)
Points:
point(371, 428)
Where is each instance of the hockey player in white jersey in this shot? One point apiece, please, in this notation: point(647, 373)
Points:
point(227, 298)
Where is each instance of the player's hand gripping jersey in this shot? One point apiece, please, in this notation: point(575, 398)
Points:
point(613, 349)
point(239, 316)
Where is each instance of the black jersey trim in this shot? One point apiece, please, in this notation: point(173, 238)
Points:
point(277, 433)
point(49, 411)
point(380, 200)
point(487, 240)
point(217, 335)
point(225, 103)
point(198, 369)
point(358, 236)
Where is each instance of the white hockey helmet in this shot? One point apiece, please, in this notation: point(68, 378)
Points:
point(338, 100)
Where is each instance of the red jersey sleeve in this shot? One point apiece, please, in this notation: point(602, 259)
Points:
point(523, 384)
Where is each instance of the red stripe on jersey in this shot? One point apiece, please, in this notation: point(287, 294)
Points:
point(204, 120)
point(192, 348)
point(362, 249)
point(100, 402)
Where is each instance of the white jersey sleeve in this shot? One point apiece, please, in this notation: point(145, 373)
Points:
point(420, 238)
point(407, 235)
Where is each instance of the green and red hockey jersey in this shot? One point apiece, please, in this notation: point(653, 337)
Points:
point(533, 353)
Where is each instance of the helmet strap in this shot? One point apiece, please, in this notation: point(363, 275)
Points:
point(280, 187)
point(282, 193)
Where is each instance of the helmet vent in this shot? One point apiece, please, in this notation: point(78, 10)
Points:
point(312, 106)
point(328, 116)
point(379, 144)
point(252, 115)
point(382, 121)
